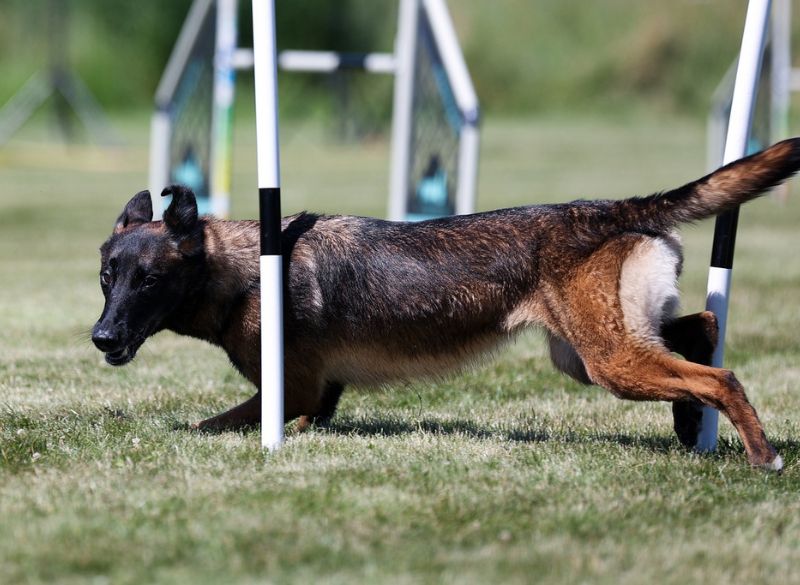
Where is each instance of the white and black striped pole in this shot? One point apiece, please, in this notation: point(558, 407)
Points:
point(269, 199)
point(745, 90)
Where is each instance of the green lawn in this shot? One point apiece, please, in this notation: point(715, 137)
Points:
point(507, 474)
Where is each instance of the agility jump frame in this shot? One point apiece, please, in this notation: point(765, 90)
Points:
point(414, 16)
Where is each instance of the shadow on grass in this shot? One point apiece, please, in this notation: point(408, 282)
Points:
point(466, 428)
point(22, 435)
point(657, 444)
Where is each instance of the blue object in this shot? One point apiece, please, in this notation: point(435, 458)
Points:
point(190, 174)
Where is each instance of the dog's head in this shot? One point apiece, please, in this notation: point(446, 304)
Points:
point(148, 270)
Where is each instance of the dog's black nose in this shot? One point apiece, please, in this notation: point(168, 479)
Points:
point(105, 340)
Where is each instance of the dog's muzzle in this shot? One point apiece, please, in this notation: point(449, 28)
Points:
point(117, 353)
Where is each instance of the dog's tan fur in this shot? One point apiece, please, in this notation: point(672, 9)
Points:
point(368, 302)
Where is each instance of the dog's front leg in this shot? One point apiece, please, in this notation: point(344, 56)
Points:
point(246, 414)
point(326, 408)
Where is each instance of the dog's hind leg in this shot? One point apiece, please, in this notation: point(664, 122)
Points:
point(302, 390)
point(648, 373)
point(695, 338)
point(246, 414)
point(617, 302)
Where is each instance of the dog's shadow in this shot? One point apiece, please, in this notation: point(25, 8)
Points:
point(470, 429)
point(345, 425)
point(387, 427)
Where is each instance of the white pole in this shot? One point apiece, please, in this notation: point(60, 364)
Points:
point(719, 276)
point(160, 131)
point(405, 47)
point(161, 123)
point(747, 74)
point(452, 57)
point(222, 111)
point(269, 181)
point(466, 98)
point(781, 69)
point(468, 167)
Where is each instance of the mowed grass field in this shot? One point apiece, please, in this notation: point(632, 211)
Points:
point(509, 473)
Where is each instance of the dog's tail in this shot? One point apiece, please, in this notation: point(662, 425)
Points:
point(724, 189)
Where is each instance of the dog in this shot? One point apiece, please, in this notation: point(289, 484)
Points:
point(367, 301)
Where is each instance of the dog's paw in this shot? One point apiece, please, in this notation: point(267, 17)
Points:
point(303, 424)
point(181, 426)
point(775, 465)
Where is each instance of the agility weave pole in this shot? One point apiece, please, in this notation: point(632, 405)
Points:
point(739, 127)
point(269, 199)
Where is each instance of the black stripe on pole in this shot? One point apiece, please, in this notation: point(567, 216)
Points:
point(269, 206)
point(725, 239)
point(353, 60)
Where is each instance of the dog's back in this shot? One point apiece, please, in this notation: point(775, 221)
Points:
point(426, 296)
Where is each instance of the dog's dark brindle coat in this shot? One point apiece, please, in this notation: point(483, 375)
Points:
point(369, 301)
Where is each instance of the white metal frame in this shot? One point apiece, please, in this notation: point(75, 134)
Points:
point(160, 124)
point(781, 66)
point(329, 61)
point(400, 64)
point(463, 90)
point(222, 112)
point(223, 94)
point(783, 77)
point(160, 130)
point(405, 48)
point(318, 61)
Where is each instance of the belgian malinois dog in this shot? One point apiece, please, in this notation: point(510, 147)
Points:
point(368, 301)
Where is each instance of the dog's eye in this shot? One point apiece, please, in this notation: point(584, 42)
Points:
point(149, 280)
point(105, 278)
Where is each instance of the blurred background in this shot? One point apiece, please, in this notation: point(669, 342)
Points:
point(578, 99)
point(526, 57)
point(643, 67)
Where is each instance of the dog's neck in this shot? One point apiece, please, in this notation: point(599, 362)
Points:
point(217, 310)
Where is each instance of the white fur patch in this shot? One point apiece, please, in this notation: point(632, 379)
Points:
point(776, 465)
point(648, 290)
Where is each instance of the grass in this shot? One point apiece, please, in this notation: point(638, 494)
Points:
point(506, 474)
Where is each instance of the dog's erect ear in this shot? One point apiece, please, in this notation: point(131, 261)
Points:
point(139, 210)
point(181, 215)
point(181, 219)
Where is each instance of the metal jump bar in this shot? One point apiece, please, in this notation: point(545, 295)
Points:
point(322, 61)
